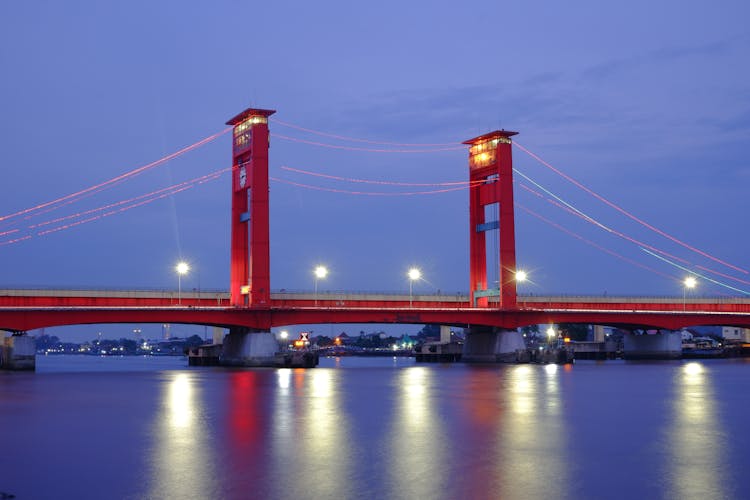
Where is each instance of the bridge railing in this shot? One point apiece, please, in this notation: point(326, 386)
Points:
point(634, 299)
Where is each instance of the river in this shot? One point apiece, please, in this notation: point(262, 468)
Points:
point(89, 427)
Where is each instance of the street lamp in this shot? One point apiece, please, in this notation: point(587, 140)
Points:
point(551, 333)
point(283, 335)
point(320, 273)
point(182, 268)
point(413, 274)
point(521, 276)
point(690, 283)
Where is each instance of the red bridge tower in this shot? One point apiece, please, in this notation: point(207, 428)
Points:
point(491, 176)
point(250, 274)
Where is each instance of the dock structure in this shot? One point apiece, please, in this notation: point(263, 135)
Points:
point(18, 352)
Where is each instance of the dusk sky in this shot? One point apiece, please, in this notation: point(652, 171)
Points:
point(645, 103)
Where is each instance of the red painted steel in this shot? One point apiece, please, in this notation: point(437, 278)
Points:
point(22, 310)
point(29, 318)
point(491, 176)
point(490, 171)
point(250, 251)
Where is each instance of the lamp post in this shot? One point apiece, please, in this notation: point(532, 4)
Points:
point(551, 334)
point(283, 335)
point(521, 276)
point(320, 273)
point(413, 274)
point(182, 268)
point(690, 283)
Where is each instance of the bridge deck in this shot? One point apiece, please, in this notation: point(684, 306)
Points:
point(29, 309)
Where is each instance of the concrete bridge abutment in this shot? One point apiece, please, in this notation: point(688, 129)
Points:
point(492, 345)
point(18, 352)
point(247, 347)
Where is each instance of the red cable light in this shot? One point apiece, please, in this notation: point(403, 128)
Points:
point(369, 150)
point(364, 193)
point(625, 212)
point(354, 139)
point(111, 182)
point(387, 183)
point(603, 249)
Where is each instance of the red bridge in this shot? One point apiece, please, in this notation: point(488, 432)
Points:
point(251, 304)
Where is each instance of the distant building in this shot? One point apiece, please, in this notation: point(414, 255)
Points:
point(735, 333)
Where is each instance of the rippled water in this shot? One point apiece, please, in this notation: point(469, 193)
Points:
point(87, 427)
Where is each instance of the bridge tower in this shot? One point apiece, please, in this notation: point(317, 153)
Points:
point(250, 270)
point(491, 176)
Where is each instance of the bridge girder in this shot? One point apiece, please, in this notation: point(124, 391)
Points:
point(25, 319)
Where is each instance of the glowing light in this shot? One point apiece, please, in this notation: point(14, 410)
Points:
point(690, 282)
point(321, 272)
point(693, 368)
point(703, 276)
point(284, 334)
point(284, 376)
point(182, 268)
point(551, 332)
point(414, 274)
point(521, 276)
point(180, 401)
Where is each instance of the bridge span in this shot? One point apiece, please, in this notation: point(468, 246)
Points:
point(250, 309)
point(28, 309)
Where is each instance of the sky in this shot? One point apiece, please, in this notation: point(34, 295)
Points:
point(647, 104)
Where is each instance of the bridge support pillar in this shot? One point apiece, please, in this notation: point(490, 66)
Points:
point(599, 335)
point(445, 334)
point(492, 345)
point(18, 352)
point(667, 345)
point(245, 347)
point(218, 336)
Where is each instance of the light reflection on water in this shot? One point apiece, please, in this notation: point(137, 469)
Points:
point(380, 429)
point(182, 465)
point(532, 461)
point(696, 467)
point(416, 438)
point(326, 438)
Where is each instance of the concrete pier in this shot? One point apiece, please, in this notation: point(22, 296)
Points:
point(666, 345)
point(493, 345)
point(18, 352)
point(244, 347)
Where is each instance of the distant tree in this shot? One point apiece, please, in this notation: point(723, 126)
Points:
point(194, 341)
point(575, 331)
point(129, 346)
point(370, 341)
point(323, 341)
point(530, 330)
point(428, 331)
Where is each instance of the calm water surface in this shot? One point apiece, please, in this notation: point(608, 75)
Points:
point(88, 427)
